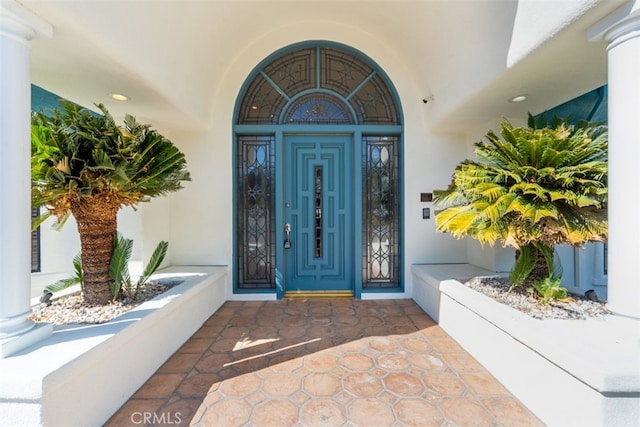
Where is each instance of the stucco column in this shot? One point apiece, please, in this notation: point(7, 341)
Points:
point(623, 53)
point(17, 28)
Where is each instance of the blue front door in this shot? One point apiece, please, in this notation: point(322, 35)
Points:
point(318, 213)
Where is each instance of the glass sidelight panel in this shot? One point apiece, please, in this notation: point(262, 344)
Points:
point(381, 217)
point(317, 211)
point(256, 222)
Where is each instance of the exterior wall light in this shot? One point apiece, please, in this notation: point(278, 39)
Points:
point(119, 97)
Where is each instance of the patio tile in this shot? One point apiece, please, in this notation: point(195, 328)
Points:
point(371, 412)
point(195, 345)
point(281, 384)
point(323, 412)
point(463, 411)
point(356, 362)
point(240, 386)
point(462, 362)
point(445, 384)
point(510, 412)
point(160, 386)
point(227, 412)
point(322, 384)
point(418, 413)
point(321, 362)
point(482, 383)
point(198, 385)
point(326, 362)
point(403, 384)
point(362, 384)
point(275, 413)
point(180, 362)
point(392, 362)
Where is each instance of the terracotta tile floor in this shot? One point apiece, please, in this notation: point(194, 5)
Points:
point(322, 362)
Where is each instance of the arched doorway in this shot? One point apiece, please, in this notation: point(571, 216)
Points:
point(318, 140)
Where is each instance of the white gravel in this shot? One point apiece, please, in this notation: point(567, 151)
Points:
point(572, 307)
point(73, 309)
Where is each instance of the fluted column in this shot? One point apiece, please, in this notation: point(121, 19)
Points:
point(17, 28)
point(622, 34)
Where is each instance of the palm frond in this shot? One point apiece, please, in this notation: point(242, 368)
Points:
point(119, 267)
point(525, 262)
point(156, 259)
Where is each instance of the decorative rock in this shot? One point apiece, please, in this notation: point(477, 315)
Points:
point(573, 307)
point(73, 309)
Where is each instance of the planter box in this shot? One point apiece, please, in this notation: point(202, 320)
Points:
point(568, 372)
point(82, 374)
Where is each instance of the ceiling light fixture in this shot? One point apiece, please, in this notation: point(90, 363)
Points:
point(518, 98)
point(119, 97)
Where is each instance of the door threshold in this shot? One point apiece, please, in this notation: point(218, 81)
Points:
point(318, 294)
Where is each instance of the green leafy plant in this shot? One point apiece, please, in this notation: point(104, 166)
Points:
point(119, 267)
point(64, 283)
point(84, 164)
point(531, 188)
point(549, 289)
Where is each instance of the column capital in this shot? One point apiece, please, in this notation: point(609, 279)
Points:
point(622, 24)
point(18, 22)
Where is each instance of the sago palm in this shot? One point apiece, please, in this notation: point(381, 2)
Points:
point(84, 164)
point(531, 188)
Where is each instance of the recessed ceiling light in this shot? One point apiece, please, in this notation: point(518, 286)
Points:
point(518, 98)
point(119, 97)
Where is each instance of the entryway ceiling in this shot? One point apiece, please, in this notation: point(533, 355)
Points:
point(171, 56)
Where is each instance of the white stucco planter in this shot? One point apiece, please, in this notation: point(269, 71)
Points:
point(568, 372)
point(83, 373)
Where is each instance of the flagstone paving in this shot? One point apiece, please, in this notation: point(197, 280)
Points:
point(322, 362)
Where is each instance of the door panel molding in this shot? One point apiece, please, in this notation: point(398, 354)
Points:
point(322, 259)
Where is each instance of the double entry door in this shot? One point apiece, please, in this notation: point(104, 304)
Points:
point(318, 213)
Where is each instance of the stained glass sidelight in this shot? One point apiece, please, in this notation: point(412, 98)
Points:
point(380, 212)
point(256, 224)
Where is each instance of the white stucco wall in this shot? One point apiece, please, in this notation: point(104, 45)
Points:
point(201, 215)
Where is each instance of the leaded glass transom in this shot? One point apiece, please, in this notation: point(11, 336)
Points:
point(294, 73)
point(374, 104)
point(262, 104)
point(328, 70)
point(318, 109)
point(342, 72)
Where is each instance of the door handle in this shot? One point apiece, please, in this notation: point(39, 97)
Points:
point(287, 236)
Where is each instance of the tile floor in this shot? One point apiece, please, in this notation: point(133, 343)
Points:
point(322, 362)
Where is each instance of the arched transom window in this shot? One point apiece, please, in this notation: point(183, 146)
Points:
point(319, 85)
point(290, 93)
